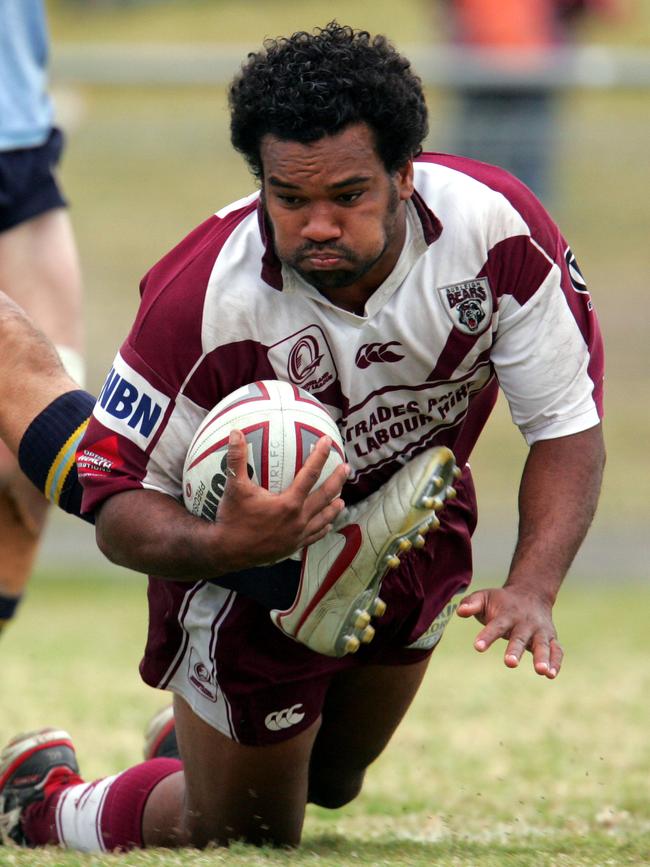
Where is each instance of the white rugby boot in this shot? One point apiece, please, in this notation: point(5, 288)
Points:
point(342, 573)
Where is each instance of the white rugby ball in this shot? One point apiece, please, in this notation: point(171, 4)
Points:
point(281, 423)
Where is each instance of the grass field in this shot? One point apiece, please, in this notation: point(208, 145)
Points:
point(491, 767)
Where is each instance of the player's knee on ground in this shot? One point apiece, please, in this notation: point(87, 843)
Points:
point(333, 788)
point(200, 832)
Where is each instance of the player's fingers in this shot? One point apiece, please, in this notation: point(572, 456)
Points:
point(315, 536)
point(540, 646)
point(323, 518)
point(328, 492)
point(236, 460)
point(473, 605)
point(556, 657)
point(309, 473)
point(495, 629)
point(517, 644)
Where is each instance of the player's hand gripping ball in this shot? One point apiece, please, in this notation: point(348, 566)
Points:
point(281, 423)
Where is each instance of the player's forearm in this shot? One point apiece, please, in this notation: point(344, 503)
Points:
point(557, 501)
point(31, 375)
point(152, 533)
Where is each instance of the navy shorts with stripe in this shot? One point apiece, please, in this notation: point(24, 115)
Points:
point(28, 185)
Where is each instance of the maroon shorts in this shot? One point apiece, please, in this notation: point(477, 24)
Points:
point(240, 674)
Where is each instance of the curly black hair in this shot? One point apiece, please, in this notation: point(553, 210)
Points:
point(309, 85)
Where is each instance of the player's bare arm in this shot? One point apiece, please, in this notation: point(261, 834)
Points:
point(151, 532)
point(557, 501)
point(32, 373)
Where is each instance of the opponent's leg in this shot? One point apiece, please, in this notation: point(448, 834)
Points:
point(39, 268)
point(363, 708)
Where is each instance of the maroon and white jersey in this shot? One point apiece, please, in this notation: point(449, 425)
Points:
point(486, 292)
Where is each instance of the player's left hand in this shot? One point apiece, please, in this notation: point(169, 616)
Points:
point(523, 618)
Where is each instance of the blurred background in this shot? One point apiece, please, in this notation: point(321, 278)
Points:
point(139, 88)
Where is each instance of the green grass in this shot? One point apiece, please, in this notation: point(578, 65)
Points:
point(490, 767)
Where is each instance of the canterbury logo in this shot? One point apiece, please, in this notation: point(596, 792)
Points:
point(284, 719)
point(371, 353)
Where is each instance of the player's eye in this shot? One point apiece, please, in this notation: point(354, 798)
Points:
point(349, 198)
point(289, 201)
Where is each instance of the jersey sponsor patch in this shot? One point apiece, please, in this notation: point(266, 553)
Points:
point(469, 304)
point(307, 358)
point(575, 274)
point(386, 423)
point(99, 459)
point(130, 405)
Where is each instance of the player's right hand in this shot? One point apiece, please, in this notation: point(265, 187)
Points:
point(259, 527)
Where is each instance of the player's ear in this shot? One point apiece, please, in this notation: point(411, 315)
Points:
point(404, 178)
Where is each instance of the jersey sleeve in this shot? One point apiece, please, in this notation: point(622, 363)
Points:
point(143, 423)
point(130, 416)
point(548, 350)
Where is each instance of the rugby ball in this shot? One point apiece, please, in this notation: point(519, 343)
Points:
point(281, 424)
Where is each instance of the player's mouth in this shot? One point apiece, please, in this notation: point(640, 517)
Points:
point(323, 260)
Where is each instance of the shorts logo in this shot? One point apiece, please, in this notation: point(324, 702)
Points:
point(130, 405)
point(200, 676)
point(284, 719)
point(469, 304)
point(431, 636)
point(307, 359)
point(370, 353)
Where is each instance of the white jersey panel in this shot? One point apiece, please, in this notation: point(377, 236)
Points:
point(165, 465)
point(478, 290)
point(541, 361)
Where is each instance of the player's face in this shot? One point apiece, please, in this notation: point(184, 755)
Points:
point(336, 214)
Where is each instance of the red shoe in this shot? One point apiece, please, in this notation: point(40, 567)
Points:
point(31, 766)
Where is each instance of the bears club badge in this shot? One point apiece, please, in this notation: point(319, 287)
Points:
point(469, 304)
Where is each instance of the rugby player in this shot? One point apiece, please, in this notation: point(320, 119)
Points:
point(401, 288)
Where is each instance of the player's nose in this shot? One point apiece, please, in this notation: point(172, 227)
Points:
point(321, 224)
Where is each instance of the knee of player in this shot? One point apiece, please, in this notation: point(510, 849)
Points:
point(334, 790)
point(258, 833)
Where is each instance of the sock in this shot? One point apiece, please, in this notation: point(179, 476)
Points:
point(47, 450)
point(103, 816)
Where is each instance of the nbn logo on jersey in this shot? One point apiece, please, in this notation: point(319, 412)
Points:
point(130, 405)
